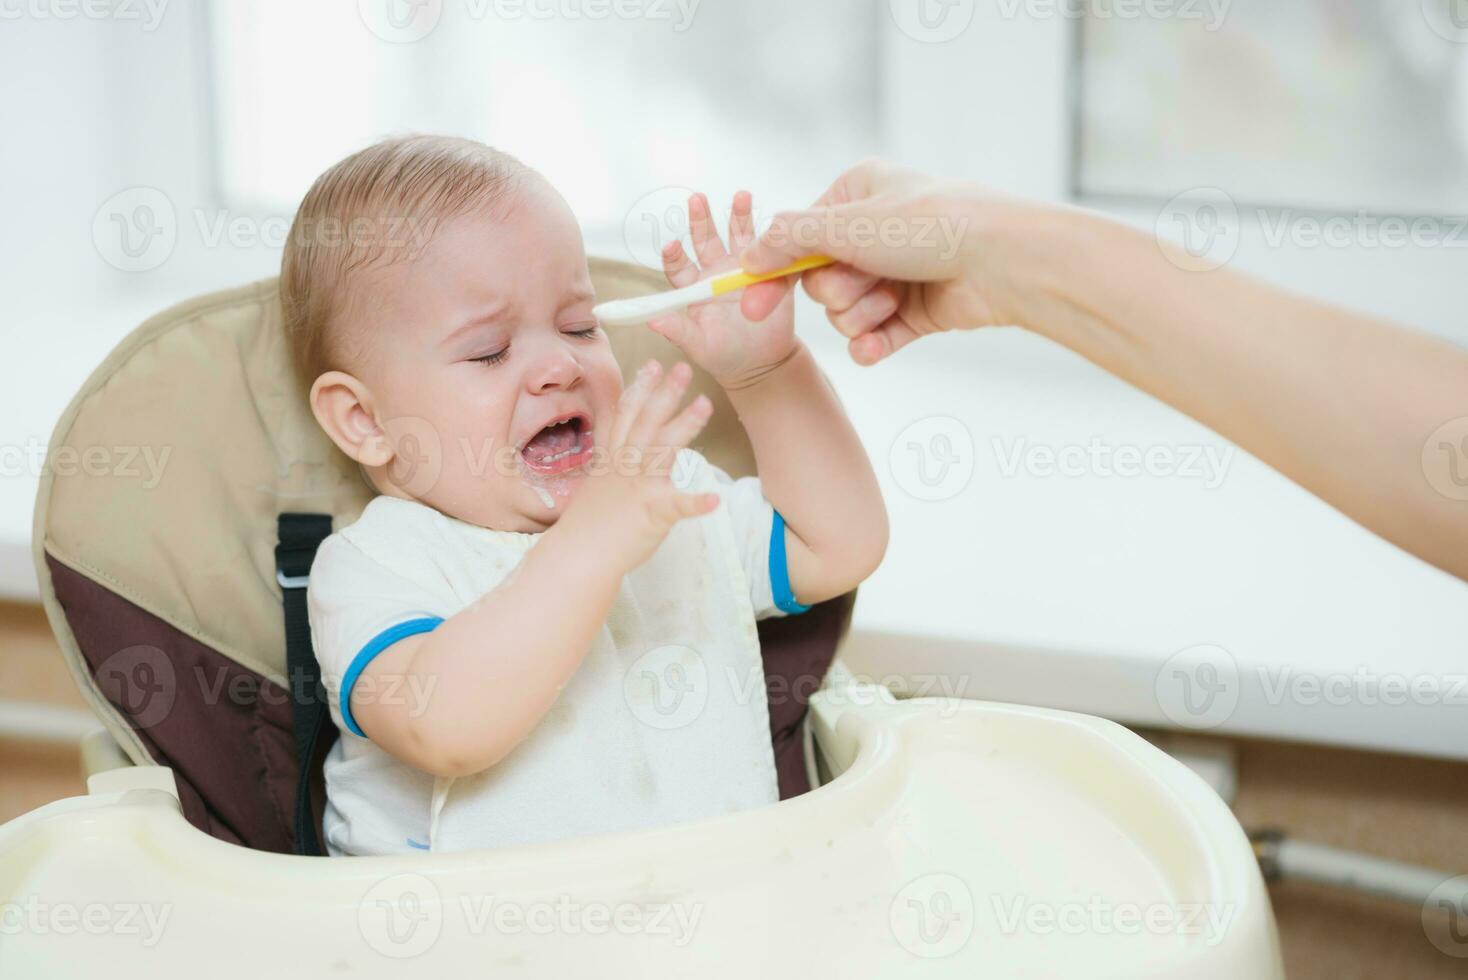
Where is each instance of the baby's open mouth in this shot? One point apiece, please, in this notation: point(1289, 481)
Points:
point(563, 444)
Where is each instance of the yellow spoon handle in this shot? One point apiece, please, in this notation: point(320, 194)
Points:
point(738, 280)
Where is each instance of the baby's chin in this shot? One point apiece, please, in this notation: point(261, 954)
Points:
point(552, 494)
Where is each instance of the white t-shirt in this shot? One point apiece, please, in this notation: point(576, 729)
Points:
point(664, 721)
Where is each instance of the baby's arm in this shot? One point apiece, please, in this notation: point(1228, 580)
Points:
point(815, 472)
point(493, 670)
point(811, 465)
point(497, 667)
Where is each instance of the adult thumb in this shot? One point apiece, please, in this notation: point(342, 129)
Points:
point(843, 232)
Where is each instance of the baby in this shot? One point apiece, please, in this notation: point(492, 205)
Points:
point(544, 625)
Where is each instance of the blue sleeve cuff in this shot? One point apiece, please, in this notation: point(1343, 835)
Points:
point(371, 649)
point(779, 572)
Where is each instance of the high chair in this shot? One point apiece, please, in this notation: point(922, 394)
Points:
point(927, 837)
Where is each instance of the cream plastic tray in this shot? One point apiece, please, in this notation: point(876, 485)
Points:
point(954, 839)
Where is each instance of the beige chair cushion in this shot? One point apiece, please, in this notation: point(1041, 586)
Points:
point(203, 394)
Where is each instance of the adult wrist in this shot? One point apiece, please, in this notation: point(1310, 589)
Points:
point(1058, 262)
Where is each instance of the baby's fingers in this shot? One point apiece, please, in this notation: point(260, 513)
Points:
point(634, 396)
point(701, 231)
point(662, 401)
point(688, 423)
point(684, 505)
point(677, 266)
point(741, 222)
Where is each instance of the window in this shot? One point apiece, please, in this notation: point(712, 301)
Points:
point(1332, 104)
point(619, 114)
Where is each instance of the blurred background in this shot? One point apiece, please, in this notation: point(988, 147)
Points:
point(154, 150)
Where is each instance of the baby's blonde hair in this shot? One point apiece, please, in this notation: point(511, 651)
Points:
point(380, 204)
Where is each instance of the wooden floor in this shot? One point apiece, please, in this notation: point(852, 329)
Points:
point(1405, 809)
point(1408, 809)
point(31, 670)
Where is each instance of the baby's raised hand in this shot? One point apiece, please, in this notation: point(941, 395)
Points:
point(715, 335)
point(628, 503)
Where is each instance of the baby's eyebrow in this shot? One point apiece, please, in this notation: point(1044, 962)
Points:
point(462, 334)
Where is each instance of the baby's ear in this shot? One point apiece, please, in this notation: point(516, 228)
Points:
point(343, 408)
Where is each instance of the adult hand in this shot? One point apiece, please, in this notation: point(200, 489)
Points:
point(912, 252)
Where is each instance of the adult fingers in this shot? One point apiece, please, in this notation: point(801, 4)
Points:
point(838, 287)
point(870, 311)
point(834, 286)
point(881, 342)
point(760, 300)
point(795, 234)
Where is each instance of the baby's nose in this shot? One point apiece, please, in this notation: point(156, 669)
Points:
point(556, 369)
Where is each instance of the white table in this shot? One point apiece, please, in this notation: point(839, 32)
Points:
point(1078, 592)
point(1056, 590)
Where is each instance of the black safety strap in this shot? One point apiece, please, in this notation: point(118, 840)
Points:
point(298, 536)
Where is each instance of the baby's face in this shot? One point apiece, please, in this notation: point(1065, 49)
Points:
point(486, 365)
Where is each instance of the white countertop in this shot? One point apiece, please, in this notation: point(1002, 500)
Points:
point(1069, 591)
point(1078, 591)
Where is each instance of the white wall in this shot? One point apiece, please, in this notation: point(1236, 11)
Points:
point(98, 106)
point(993, 105)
